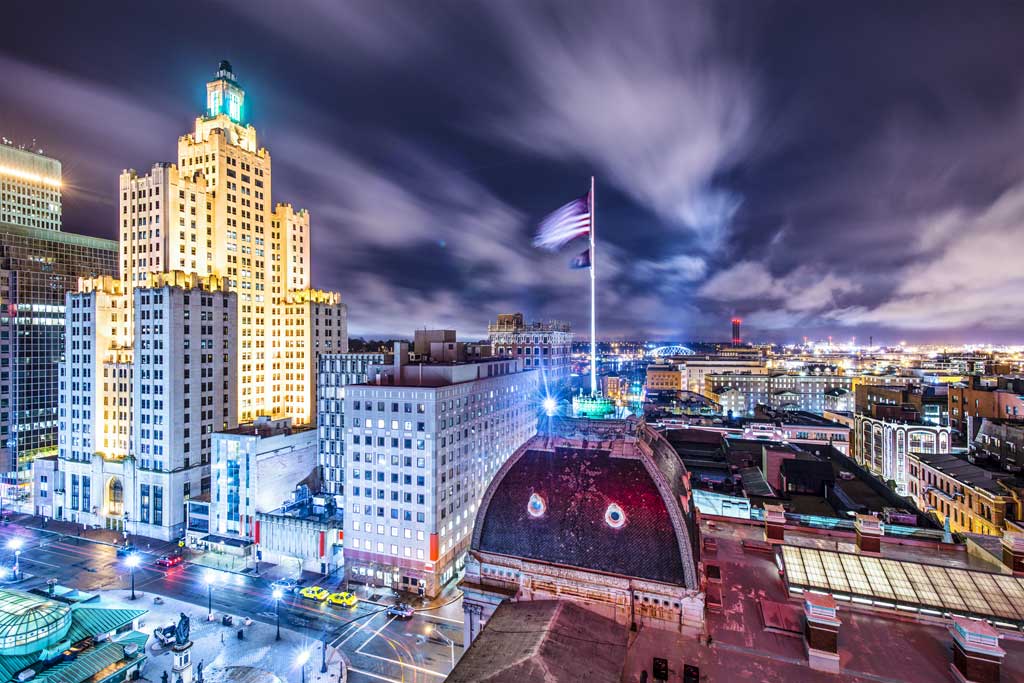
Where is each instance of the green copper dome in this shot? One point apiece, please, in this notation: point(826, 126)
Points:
point(29, 623)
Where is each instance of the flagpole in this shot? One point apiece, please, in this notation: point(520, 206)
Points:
point(593, 294)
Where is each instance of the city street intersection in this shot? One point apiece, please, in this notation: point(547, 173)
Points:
point(377, 647)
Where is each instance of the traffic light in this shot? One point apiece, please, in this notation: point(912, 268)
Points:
point(691, 674)
point(660, 669)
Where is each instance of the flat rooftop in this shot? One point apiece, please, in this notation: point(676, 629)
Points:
point(964, 472)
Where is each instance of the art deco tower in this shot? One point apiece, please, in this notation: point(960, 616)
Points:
point(219, 219)
point(211, 323)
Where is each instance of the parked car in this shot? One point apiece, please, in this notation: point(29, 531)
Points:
point(168, 561)
point(285, 585)
point(314, 593)
point(344, 599)
point(401, 610)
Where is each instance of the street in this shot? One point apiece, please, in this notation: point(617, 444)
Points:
point(378, 647)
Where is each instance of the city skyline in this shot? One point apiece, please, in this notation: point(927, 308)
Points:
point(754, 181)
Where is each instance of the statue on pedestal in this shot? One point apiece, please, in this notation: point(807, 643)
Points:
point(182, 630)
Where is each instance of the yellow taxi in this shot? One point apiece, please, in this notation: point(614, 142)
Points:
point(314, 592)
point(344, 599)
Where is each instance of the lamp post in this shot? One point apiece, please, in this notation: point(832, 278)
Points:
point(210, 578)
point(278, 594)
point(451, 643)
point(15, 545)
point(301, 661)
point(323, 661)
point(132, 561)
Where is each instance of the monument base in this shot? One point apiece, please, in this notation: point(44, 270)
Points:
point(182, 667)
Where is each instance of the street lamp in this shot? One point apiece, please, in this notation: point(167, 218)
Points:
point(323, 661)
point(210, 578)
point(301, 661)
point(550, 406)
point(278, 594)
point(451, 643)
point(132, 561)
point(15, 545)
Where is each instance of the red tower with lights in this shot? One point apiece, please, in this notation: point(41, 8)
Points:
point(736, 340)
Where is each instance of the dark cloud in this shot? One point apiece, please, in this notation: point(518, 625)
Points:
point(819, 168)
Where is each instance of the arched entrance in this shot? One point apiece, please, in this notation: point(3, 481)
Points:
point(115, 498)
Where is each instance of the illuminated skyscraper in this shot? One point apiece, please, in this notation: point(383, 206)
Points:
point(212, 323)
point(29, 188)
point(212, 214)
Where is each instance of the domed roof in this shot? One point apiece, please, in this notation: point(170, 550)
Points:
point(29, 623)
point(618, 505)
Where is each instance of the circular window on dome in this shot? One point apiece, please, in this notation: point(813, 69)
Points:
point(536, 506)
point(614, 516)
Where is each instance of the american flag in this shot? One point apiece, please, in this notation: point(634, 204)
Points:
point(564, 225)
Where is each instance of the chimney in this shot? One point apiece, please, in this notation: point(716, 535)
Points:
point(869, 533)
point(1013, 548)
point(821, 632)
point(977, 656)
point(774, 523)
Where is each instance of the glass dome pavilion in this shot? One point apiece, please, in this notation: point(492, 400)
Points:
point(29, 623)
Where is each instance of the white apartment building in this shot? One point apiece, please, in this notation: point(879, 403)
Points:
point(882, 446)
point(148, 377)
point(696, 369)
point(423, 442)
point(741, 392)
point(256, 467)
point(30, 186)
point(337, 371)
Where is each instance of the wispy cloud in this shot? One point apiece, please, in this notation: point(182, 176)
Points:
point(636, 91)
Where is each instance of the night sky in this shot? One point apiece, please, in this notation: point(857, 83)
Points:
point(817, 168)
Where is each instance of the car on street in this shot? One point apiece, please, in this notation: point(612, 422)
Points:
point(126, 549)
point(343, 598)
point(314, 593)
point(168, 561)
point(285, 585)
point(401, 610)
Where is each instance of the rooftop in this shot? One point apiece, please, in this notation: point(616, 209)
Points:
point(579, 502)
point(963, 471)
point(265, 427)
point(544, 640)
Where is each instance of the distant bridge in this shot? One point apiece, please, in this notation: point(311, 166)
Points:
point(674, 350)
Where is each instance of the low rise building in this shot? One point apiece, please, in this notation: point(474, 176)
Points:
point(974, 400)
point(1000, 442)
point(883, 444)
point(555, 521)
point(737, 361)
point(544, 346)
point(666, 378)
point(971, 499)
point(742, 392)
point(930, 402)
point(256, 467)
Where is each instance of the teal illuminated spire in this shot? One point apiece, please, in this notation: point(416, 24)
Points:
point(224, 95)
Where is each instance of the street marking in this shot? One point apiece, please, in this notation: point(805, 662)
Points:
point(403, 664)
point(359, 628)
point(375, 634)
point(45, 564)
point(448, 619)
point(371, 675)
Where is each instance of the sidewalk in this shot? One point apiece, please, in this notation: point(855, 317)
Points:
point(104, 536)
